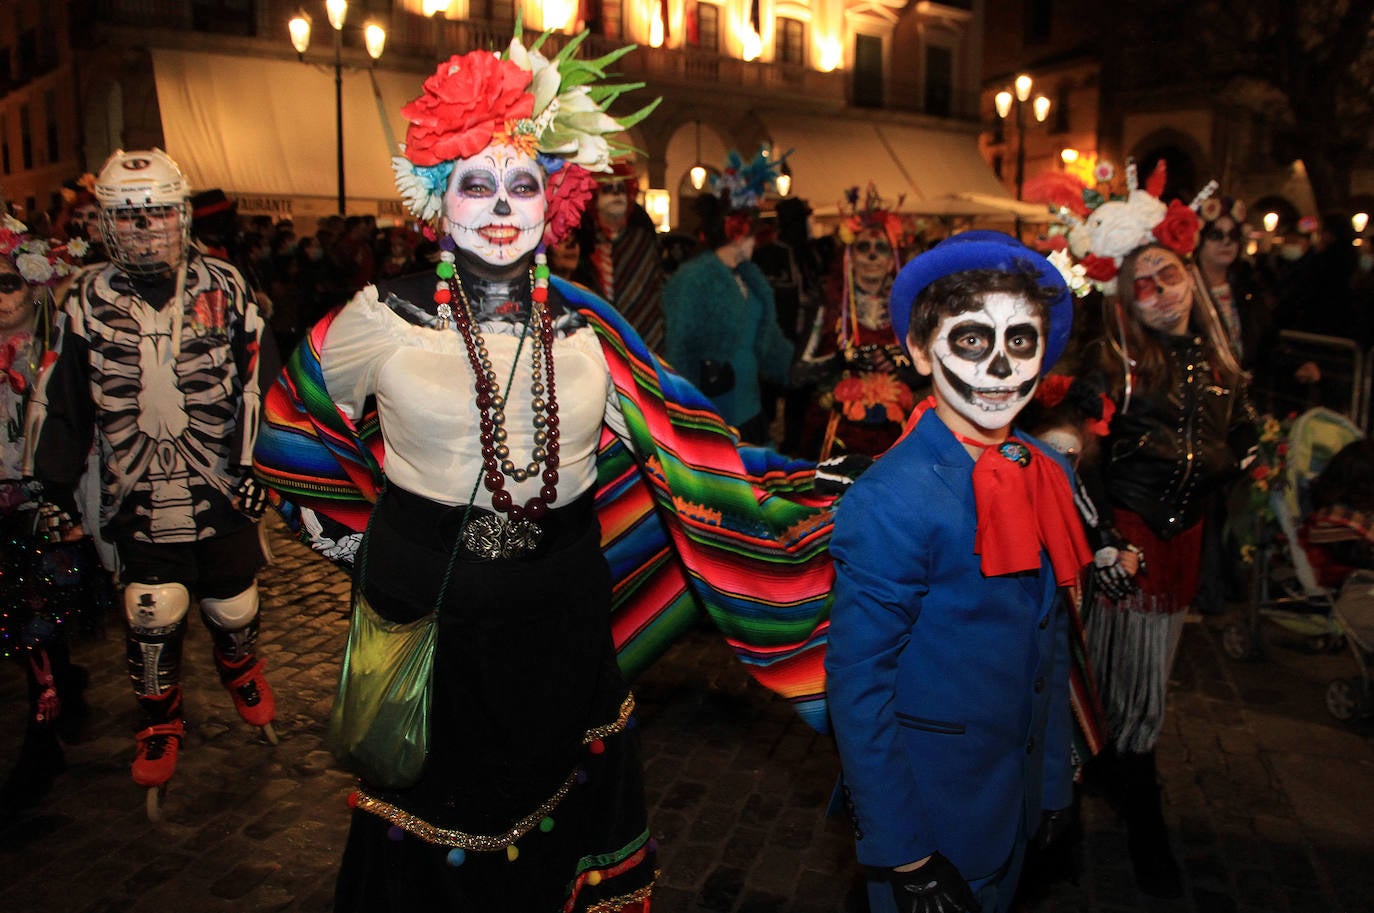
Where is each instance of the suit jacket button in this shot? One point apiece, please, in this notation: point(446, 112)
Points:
point(1030, 746)
point(1039, 683)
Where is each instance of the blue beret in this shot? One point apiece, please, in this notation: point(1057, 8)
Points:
point(983, 250)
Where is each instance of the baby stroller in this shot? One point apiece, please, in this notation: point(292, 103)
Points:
point(1285, 587)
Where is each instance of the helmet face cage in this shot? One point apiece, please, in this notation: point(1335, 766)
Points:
point(147, 240)
point(145, 211)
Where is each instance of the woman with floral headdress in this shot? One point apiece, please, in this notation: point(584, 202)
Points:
point(868, 392)
point(1181, 427)
point(720, 320)
point(520, 422)
point(36, 618)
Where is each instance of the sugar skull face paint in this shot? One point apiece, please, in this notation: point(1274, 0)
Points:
point(1162, 293)
point(873, 258)
point(986, 364)
point(494, 207)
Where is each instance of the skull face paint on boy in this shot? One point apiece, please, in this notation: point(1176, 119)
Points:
point(495, 205)
point(987, 362)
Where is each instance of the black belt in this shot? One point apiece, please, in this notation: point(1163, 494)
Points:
point(485, 535)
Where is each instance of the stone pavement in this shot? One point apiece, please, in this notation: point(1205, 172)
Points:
point(1270, 800)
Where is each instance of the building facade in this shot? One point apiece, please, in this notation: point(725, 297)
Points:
point(857, 90)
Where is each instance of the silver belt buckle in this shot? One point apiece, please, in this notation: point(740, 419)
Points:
point(491, 536)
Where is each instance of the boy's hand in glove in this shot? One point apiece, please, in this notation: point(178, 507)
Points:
point(936, 887)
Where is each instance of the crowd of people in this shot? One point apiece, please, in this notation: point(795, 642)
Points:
point(953, 501)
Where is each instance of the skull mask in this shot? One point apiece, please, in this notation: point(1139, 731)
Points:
point(986, 363)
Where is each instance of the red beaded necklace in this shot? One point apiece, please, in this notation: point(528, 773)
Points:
point(491, 403)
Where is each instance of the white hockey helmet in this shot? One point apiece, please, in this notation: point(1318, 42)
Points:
point(145, 211)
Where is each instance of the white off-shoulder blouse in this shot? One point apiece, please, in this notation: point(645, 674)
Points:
point(423, 383)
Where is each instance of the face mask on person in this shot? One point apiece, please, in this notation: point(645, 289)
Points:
point(494, 207)
point(986, 363)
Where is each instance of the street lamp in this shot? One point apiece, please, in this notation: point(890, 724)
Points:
point(374, 40)
point(1040, 108)
point(698, 170)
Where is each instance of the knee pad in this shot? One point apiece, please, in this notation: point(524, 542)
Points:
point(155, 607)
point(233, 612)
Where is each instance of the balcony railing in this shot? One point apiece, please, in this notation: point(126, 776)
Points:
point(416, 36)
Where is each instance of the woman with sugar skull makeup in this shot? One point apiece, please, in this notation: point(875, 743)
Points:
point(948, 662)
point(1181, 428)
point(521, 421)
point(868, 389)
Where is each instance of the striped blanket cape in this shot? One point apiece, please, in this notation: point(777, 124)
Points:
point(688, 518)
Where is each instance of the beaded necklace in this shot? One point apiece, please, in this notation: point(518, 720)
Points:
point(519, 532)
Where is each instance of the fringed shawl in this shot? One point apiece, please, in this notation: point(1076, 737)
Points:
point(696, 519)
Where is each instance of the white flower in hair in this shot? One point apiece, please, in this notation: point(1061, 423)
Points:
point(1118, 227)
point(419, 199)
point(34, 267)
point(1075, 275)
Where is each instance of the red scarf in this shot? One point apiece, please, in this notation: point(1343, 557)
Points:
point(1016, 489)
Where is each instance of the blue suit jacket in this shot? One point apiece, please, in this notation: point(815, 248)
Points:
point(948, 690)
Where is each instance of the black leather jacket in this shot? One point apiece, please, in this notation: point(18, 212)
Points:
point(1174, 446)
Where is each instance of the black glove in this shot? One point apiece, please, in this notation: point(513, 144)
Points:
point(252, 497)
point(936, 887)
point(1056, 829)
point(1112, 579)
point(835, 475)
point(51, 523)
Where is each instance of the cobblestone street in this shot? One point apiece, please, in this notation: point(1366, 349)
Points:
point(1269, 799)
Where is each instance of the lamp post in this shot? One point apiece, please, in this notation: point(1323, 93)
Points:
point(374, 39)
point(1040, 108)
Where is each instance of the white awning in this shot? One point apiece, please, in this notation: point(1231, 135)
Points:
point(935, 172)
point(263, 131)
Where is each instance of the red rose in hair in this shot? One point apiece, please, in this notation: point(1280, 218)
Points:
point(1179, 229)
point(1101, 269)
point(568, 191)
point(469, 97)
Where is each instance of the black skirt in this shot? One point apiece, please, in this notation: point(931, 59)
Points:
point(532, 793)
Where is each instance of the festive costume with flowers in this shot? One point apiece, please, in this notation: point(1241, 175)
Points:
point(865, 392)
point(1176, 435)
point(524, 467)
point(50, 591)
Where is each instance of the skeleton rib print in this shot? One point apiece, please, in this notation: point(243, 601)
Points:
point(168, 413)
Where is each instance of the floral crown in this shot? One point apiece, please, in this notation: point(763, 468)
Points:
point(1116, 225)
point(552, 109)
point(38, 261)
point(742, 185)
point(873, 214)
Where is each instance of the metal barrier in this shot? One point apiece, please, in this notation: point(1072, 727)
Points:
point(1345, 377)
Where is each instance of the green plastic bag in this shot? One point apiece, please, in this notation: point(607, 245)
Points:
point(379, 727)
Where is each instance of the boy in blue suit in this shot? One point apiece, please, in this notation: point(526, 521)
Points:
point(948, 660)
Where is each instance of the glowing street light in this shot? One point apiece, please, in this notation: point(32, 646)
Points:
point(374, 40)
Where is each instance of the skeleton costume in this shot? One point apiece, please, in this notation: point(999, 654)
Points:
point(156, 362)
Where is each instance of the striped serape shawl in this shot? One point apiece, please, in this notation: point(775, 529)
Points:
point(697, 519)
